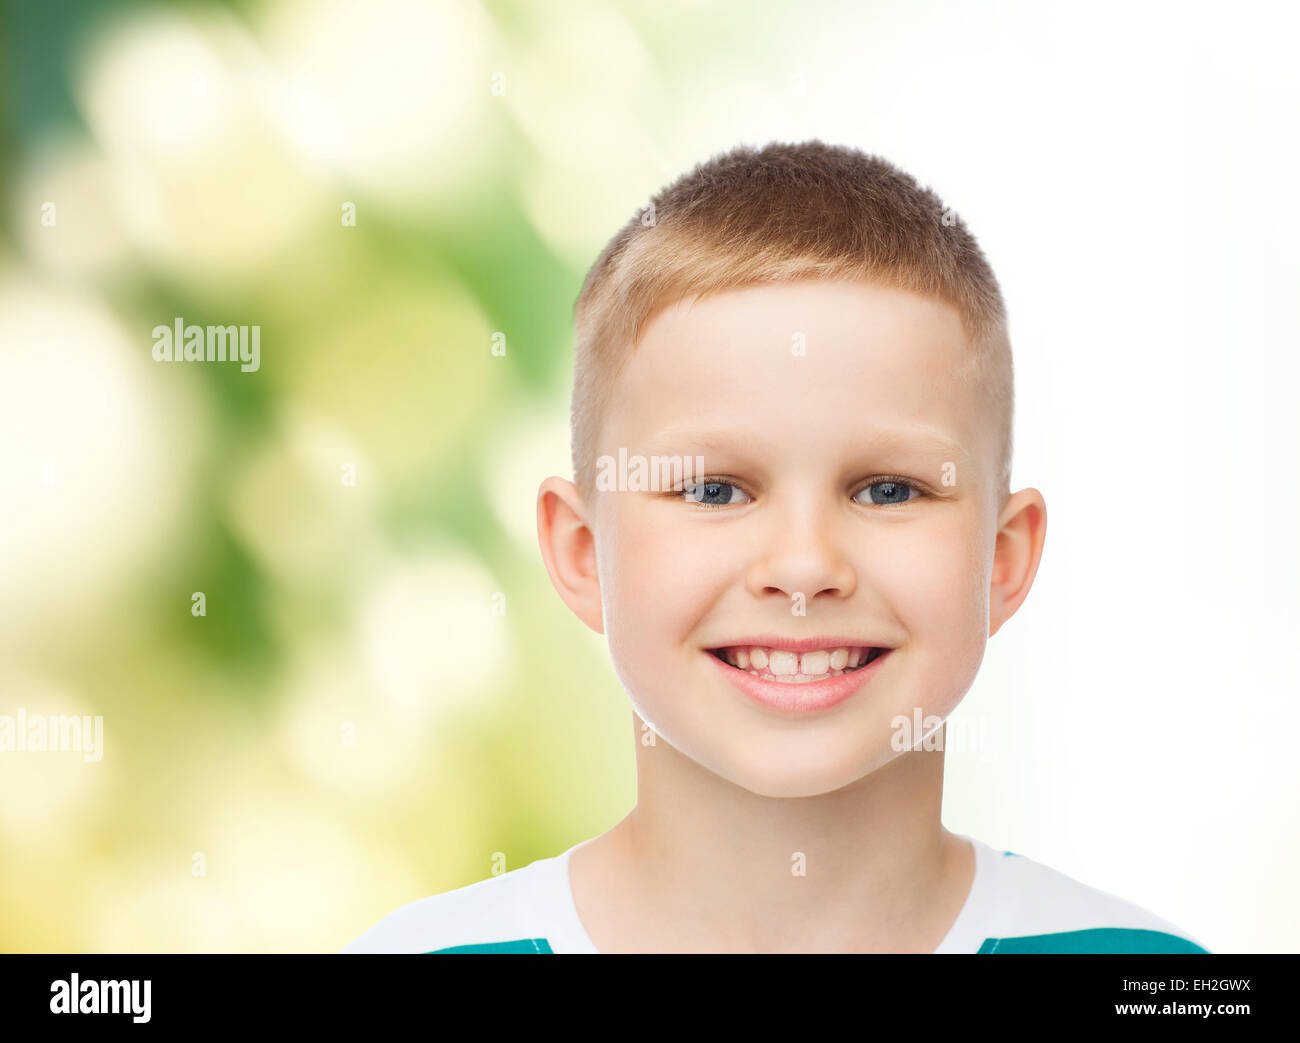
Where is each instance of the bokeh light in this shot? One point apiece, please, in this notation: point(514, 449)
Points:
point(307, 600)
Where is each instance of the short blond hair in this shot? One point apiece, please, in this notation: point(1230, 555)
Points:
point(782, 213)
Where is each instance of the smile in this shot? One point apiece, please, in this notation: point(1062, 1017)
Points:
point(788, 667)
point(798, 682)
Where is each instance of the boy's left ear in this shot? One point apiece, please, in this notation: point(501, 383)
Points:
point(1022, 527)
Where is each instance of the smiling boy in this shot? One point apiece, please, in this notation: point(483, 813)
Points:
point(830, 340)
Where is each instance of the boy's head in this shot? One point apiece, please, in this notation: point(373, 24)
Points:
point(831, 342)
point(781, 214)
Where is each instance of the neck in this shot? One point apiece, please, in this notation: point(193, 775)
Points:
point(867, 867)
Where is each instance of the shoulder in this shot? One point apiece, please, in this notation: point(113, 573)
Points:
point(492, 915)
point(1043, 910)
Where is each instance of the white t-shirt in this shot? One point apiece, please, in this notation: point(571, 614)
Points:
point(1015, 905)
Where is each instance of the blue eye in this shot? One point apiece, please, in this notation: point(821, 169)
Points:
point(714, 494)
point(717, 493)
point(890, 492)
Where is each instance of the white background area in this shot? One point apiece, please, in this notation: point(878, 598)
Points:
point(1130, 171)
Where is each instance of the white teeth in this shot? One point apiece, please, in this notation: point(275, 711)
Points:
point(814, 663)
point(783, 664)
point(791, 667)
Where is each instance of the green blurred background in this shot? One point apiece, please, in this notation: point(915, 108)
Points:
point(384, 697)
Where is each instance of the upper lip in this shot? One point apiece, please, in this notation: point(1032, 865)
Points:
point(805, 644)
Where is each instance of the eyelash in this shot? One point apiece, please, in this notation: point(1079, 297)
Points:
point(920, 493)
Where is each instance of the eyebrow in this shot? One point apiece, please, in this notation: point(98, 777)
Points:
point(878, 438)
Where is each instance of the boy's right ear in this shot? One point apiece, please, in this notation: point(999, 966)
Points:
point(569, 549)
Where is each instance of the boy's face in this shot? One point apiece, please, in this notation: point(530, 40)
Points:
point(804, 397)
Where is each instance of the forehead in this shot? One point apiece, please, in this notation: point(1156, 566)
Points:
point(795, 367)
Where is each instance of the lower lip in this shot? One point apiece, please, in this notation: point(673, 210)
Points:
point(799, 698)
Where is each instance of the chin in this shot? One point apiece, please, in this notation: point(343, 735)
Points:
point(794, 779)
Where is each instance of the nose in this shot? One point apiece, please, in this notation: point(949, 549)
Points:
point(803, 552)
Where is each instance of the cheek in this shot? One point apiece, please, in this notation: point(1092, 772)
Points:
point(661, 568)
point(937, 588)
point(656, 582)
point(932, 580)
